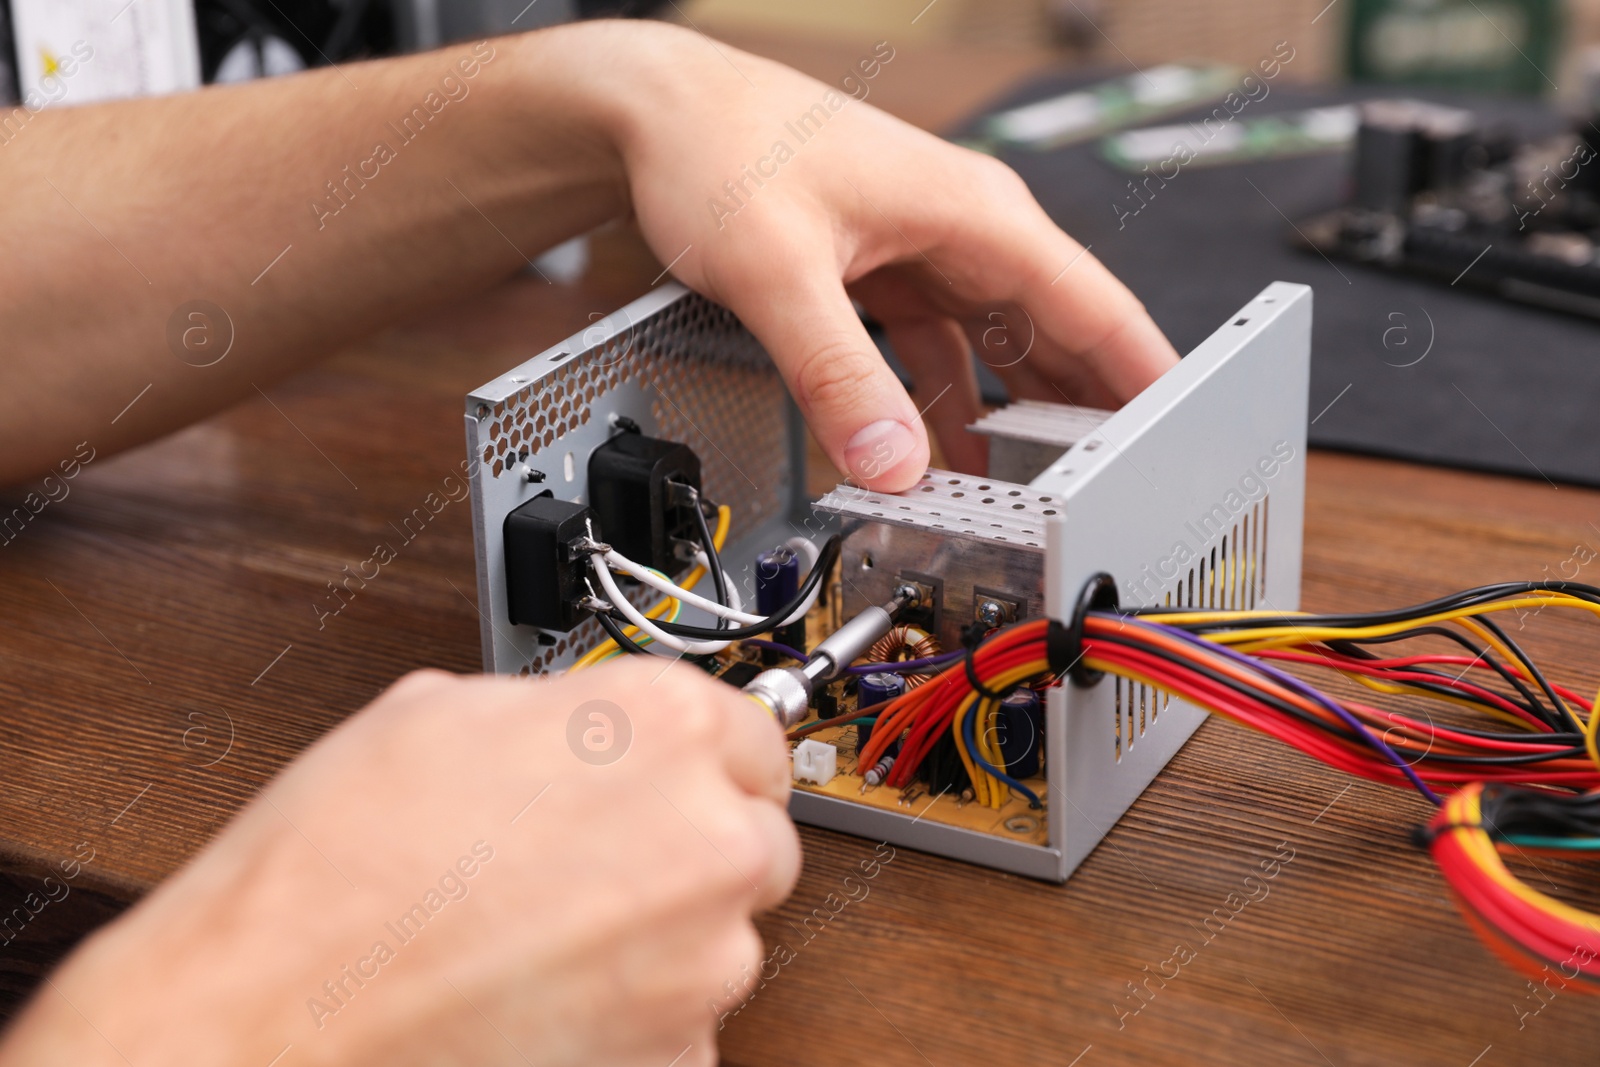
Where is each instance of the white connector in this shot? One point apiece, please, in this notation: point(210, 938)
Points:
point(815, 761)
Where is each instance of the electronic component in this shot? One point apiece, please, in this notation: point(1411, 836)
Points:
point(1436, 192)
point(878, 773)
point(949, 535)
point(1027, 436)
point(1028, 788)
point(544, 576)
point(824, 703)
point(777, 581)
point(1019, 731)
point(879, 688)
point(739, 674)
point(636, 489)
point(904, 643)
point(815, 761)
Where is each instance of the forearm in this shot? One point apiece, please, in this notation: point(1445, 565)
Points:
point(310, 209)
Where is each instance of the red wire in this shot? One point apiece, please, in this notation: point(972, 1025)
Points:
point(1368, 667)
point(1502, 916)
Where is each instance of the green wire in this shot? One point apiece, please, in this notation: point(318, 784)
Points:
point(1578, 844)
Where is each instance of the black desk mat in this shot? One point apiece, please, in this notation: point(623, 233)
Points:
point(1501, 388)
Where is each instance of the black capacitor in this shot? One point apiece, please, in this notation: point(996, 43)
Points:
point(1019, 729)
point(875, 689)
point(777, 579)
point(777, 582)
point(1387, 165)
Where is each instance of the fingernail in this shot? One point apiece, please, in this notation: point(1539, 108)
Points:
point(879, 448)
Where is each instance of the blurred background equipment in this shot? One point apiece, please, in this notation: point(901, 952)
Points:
point(1436, 192)
point(149, 47)
point(104, 49)
point(241, 39)
point(1485, 46)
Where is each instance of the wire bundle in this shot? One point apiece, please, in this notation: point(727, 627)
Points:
point(658, 629)
point(1533, 932)
point(1510, 758)
point(1225, 662)
point(1517, 773)
point(950, 703)
point(610, 647)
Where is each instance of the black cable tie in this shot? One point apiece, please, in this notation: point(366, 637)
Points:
point(1064, 644)
point(972, 679)
point(1425, 835)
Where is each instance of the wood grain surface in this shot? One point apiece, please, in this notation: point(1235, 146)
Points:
point(161, 656)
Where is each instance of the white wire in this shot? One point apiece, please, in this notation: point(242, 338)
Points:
point(803, 546)
point(734, 600)
point(658, 636)
point(664, 585)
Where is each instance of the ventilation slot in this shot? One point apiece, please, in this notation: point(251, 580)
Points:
point(1230, 576)
point(1120, 683)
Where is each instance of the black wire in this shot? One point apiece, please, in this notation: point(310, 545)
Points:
point(715, 564)
point(1513, 810)
point(1562, 717)
point(1466, 598)
point(624, 642)
point(1530, 702)
point(1198, 665)
point(819, 571)
point(1562, 711)
point(1129, 636)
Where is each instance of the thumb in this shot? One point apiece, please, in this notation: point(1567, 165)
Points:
point(854, 404)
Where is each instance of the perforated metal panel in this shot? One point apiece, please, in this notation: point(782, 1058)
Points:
point(681, 367)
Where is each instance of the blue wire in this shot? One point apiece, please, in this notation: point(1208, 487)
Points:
point(972, 750)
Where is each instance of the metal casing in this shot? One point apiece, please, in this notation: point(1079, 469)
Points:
point(1193, 493)
point(1027, 436)
point(1180, 495)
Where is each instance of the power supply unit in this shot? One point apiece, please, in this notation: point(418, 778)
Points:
point(638, 430)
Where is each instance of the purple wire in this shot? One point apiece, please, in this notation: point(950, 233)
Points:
point(903, 667)
point(774, 646)
point(1311, 692)
point(908, 666)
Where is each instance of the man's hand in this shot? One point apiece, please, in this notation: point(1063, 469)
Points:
point(483, 871)
point(784, 199)
point(305, 212)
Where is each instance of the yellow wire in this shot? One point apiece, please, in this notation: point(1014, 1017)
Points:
point(602, 650)
point(1484, 634)
point(1398, 689)
point(988, 790)
point(1280, 636)
point(1591, 731)
point(980, 787)
point(1482, 852)
point(989, 741)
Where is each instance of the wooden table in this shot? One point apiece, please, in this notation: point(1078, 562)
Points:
point(161, 658)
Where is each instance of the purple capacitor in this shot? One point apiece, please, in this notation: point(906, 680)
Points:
point(875, 689)
point(777, 579)
point(1020, 728)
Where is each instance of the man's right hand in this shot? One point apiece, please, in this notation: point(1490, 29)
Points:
point(558, 872)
